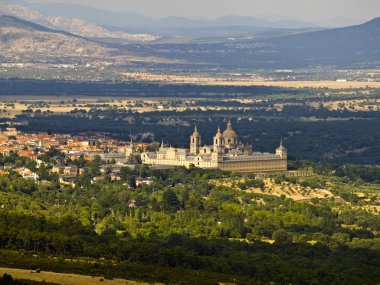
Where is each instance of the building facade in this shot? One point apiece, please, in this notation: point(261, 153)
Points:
point(226, 153)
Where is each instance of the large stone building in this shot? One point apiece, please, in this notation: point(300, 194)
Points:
point(226, 153)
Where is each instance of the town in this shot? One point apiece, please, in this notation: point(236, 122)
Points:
point(115, 154)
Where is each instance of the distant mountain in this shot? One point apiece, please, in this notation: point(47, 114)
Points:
point(19, 25)
point(232, 20)
point(340, 22)
point(257, 22)
point(72, 25)
point(23, 41)
point(94, 15)
point(18, 2)
point(349, 47)
point(293, 24)
point(354, 45)
point(135, 21)
point(180, 22)
point(170, 29)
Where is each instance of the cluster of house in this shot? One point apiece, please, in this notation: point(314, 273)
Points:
point(115, 153)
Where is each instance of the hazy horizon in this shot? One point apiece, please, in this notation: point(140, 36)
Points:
point(310, 11)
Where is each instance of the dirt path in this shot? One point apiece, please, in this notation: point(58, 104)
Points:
point(66, 279)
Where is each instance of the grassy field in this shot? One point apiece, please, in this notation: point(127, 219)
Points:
point(83, 271)
point(67, 279)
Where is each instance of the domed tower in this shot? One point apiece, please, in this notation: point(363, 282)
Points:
point(218, 141)
point(230, 137)
point(281, 151)
point(195, 142)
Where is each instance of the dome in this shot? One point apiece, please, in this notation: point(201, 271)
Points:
point(229, 132)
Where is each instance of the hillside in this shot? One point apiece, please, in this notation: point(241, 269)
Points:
point(74, 25)
point(23, 41)
point(349, 47)
point(355, 45)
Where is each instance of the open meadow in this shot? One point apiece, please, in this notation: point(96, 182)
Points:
point(66, 279)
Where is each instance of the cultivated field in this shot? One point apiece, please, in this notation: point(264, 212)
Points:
point(205, 80)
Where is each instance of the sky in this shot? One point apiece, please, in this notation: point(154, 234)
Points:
point(306, 10)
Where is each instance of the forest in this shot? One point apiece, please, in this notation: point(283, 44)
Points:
point(185, 227)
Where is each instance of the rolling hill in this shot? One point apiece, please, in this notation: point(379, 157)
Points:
point(73, 25)
point(23, 41)
point(356, 46)
point(349, 47)
point(130, 27)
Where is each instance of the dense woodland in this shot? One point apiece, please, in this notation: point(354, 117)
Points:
point(184, 221)
point(16, 86)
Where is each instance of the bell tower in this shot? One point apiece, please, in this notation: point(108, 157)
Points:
point(218, 141)
point(281, 151)
point(195, 142)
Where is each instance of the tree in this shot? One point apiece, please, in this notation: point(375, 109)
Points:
point(170, 202)
point(134, 159)
point(282, 237)
point(6, 279)
point(132, 182)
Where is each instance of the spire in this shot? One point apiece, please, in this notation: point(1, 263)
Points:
point(229, 125)
point(218, 133)
point(281, 147)
point(162, 144)
point(195, 134)
point(131, 144)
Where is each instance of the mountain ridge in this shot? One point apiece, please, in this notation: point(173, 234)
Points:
point(24, 41)
point(128, 19)
point(12, 21)
point(72, 25)
point(355, 45)
point(349, 47)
